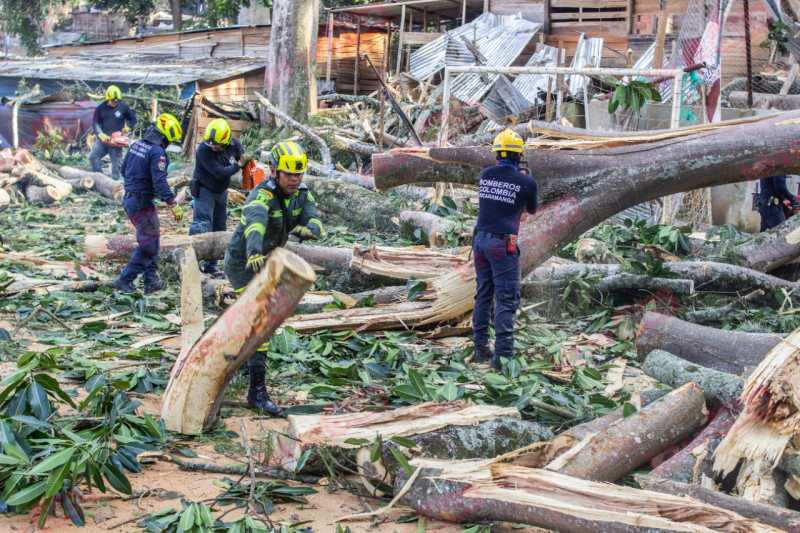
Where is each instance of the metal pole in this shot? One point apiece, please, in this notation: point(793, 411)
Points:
point(400, 39)
point(677, 94)
point(445, 106)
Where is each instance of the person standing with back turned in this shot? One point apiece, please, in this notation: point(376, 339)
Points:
point(504, 192)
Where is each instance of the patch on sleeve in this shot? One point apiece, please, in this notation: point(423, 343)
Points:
point(162, 163)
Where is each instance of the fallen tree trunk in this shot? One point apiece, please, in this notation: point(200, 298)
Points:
point(696, 460)
point(716, 314)
point(41, 195)
point(476, 491)
point(783, 519)
point(82, 184)
point(733, 352)
point(759, 482)
point(207, 246)
point(580, 188)
point(5, 200)
point(361, 208)
point(191, 297)
point(628, 443)
point(431, 226)
point(199, 376)
point(362, 180)
point(777, 102)
point(105, 186)
point(571, 437)
point(671, 370)
point(616, 283)
point(33, 177)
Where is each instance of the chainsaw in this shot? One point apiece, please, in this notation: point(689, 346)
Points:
point(117, 140)
point(251, 176)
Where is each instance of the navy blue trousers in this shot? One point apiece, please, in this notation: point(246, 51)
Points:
point(497, 272)
point(771, 216)
point(142, 213)
point(210, 212)
point(99, 151)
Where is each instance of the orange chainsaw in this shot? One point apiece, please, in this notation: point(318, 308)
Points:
point(251, 176)
point(117, 140)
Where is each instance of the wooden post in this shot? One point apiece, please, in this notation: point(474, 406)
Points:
point(549, 95)
point(747, 53)
point(400, 40)
point(629, 16)
point(630, 58)
point(330, 52)
point(425, 19)
point(358, 56)
point(546, 27)
point(408, 47)
point(661, 35)
point(486, 5)
point(560, 79)
point(463, 12)
point(154, 109)
point(381, 107)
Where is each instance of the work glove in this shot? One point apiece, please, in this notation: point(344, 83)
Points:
point(303, 233)
point(244, 159)
point(177, 212)
point(103, 137)
point(126, 130)
point(795, 209)
point(255, 262)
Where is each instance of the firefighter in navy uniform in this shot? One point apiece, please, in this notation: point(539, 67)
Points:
point(770, 201)
point(504, 192)
point(145, 172)
point(218, 158)
point(274, 210)
point(110, 117)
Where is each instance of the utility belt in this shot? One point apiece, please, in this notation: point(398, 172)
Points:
point(511, 243)
point(146, 196)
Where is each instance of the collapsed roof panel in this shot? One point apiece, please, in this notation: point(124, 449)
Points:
point(531, 85)
point(588, 53)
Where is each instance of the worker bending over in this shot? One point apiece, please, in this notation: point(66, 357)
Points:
point(145, 172)
point(218, 158)
point(274, 210)
point(110, 117)
point(771, 198)
point(504, 192)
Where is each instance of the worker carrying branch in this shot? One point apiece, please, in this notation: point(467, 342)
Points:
point(145, 172)
point(274, 210)
point(110, 117)
point(504, 192)
point(218, 158)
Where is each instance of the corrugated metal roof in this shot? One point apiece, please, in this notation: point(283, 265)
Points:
point(160, 72)
point(588, 53)
point(504, 100)
point(394, 9)
point(530, 85)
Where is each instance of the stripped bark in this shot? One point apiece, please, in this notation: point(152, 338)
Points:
point(733, 352)
point(200, 375)
point(759, 482)
point(719, 387)
point(783, 519)
point(623, 446)
point(476, 491)
point(191, 297)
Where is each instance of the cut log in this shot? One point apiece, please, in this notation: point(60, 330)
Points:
point(361, 180)
point(199, 376)
point(5, 200)
point(33, 177)
point(72, 173)
point(628, 443)
point(783, 519)
point(759, 482)
point(343, 432)
point(41, 195)
point(431, 226)
point(82, 184)
point(616, 283)
point(719, 387)
point(406, 263)
point(361, 208)
point(771, 415)
point(733, 352)
point(571, 437)
point(695, 461)
point(207, 246)
point(776, 102)
point(191, 297)
point(718, 313)
point(105, 186)
point(477, 491)
point(619, 177)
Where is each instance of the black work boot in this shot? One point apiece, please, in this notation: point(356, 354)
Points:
point(257, 397)
point(124, 285)
point(496, 364)
point(153, 285)
point(210, 268)
point(483, 355)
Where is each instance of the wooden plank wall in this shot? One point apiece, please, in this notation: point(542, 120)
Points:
point(343, 59)
point(237, 127)
point(100, 26)
point(596, 18)
point(235, 89)
point(532, 10)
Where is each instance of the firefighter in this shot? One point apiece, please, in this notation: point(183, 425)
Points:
point(275, 209)
point(145, 173)
point(110, 117)
point(218, 158)
point(504, 192)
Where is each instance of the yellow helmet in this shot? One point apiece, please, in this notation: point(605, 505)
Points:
point(218, 132)
point(508, 141)
point(169, 126)
point(289, 157)
point(113, 93)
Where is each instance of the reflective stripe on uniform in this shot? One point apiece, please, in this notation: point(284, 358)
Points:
point(258, 227)
point(317, 222)
point(275, 214)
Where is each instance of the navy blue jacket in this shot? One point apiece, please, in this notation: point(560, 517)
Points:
point(145, 167)
point(214, 169)
point(775, 187)
point(504, 192)
point(109, 119)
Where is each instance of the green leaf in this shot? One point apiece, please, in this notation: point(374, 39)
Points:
point(55, 460)
point(415, 289)
point(187, 518)
point(418, 383)
point(116, 478)
point(14, 378)
point(301, 462)
point(73, 510)
point(56, 479)
point(449, 391)
point(628, 409)
point(37, 398)
point(50, 384)
point(401, 459)
point(408, 392)
point(357, 442)
point(28, 494)
point(46, 504)
point(375, 451)
point(402, 441)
